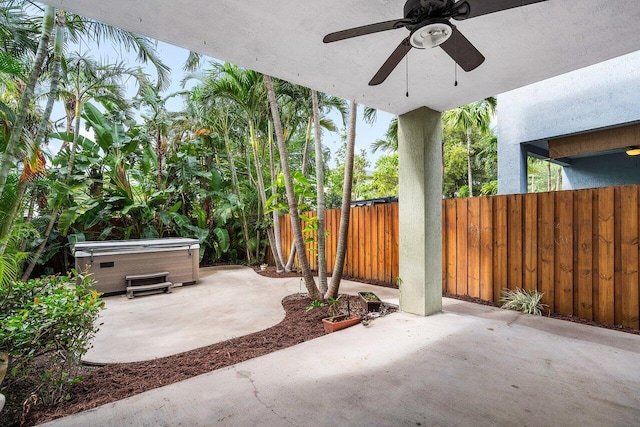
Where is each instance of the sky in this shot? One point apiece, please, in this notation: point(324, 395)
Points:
point(175, 58)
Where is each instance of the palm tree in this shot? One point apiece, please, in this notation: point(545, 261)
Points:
point(301, 98)
point(10, 154)
point(292, 199)
point(470, 117)
point(246, 89)
point(390, 141)
point(220, 116)
point(87, 80)
point(322, 256)
point(345, 210)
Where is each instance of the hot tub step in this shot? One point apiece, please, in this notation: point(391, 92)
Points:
point(151, 287)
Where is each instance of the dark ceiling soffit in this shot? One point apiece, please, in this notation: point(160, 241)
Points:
point(542, 154)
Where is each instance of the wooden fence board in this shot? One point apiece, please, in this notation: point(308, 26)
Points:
point(546, 248)
point(583, 301)
point(514, 241)
point(374, 249)
point(450, 258)
point(395, 242)
point(473, 249)
point(530, 219)
point(362, 268)
point(381, 243)
point(629, 255)
point(461, 247)
point(617, 272)
point(605, 308)
point(486, 248)
point(500, 264)
point(564, 252)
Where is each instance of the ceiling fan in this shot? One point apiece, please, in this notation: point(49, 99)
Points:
point(429, 24)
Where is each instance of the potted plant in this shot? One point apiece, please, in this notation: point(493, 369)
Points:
point(370, 301)
point(337, 321)
point(263, 267)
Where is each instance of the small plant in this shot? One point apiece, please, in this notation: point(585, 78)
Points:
point(370, 296)
point(263, 266)
point(522, 300)
point(334, 307)
point(315, 304)
point(51, 319)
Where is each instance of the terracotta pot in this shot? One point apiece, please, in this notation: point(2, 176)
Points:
point(339, 322)
point(370, 305)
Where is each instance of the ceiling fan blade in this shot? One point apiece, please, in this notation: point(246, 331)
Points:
point(364, 30)
point(462, 51)
point(390, 64)
point(474, 8)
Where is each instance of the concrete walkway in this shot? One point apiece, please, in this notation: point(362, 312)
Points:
point(227, 302)
point(469, 366)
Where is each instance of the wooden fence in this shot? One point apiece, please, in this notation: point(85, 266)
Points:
point(372, 247)
point(580, 248)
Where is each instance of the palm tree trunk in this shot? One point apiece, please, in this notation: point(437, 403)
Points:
point(159, 156)
point(292, 200)
point(58, 44)
point(345, 211)
point(322, 256)
point(276, 214)
point(548, 176)
point(261, 188)
point(38, 253)
point(236, 188)
point(9, 157)
point(56, 209)
point(469, 171)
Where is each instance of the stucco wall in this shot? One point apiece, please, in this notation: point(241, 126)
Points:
point(602, 171)
point(596, 97)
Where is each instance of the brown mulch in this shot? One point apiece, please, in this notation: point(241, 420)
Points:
point(113, 382)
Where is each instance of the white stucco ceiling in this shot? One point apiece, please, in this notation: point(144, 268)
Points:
point(283, 38)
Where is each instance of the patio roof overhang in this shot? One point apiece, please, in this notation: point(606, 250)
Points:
point(284, 39)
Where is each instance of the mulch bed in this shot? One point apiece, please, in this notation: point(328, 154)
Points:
point(113, 382)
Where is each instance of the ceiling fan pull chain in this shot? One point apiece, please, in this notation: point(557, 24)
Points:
point(407, 66)
point(455, 73)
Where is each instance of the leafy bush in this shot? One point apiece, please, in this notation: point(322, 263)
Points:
point(524, 301)
point(49, 321)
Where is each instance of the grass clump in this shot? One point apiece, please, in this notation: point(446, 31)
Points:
point(521, 300)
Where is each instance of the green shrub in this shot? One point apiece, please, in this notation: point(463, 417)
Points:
point(524, 301)
point(49, 320)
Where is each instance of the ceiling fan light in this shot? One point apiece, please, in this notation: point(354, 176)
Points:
point(431, 35)
point(633, 151)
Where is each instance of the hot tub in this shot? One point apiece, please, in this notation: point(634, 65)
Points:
point(111, 261)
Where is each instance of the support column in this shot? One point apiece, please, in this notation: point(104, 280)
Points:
point(420, 197)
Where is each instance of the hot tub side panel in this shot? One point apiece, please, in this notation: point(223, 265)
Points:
point(109, 270)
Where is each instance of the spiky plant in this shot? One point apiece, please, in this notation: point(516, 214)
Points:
point(522, 300)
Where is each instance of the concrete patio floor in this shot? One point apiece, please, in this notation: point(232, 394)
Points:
point(227, 302)
point(471, 365)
